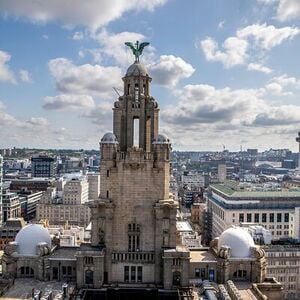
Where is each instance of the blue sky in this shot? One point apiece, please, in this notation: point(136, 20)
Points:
point(224, 72)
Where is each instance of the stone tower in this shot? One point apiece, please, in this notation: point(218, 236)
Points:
point(134, 219)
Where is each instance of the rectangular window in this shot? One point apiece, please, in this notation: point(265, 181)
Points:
point(256, 218)
point(249, 218)
point(136, 132)
point(133, 275)
point(129, 243)
point(126, 273)
point(64, 270)
point(264, 218)
point(241, 217)
point(286, 217)
point(271, 216)
point(140, 274)
point(279, 217)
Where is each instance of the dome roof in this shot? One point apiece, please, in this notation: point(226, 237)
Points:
point(109, 138)
point(29, 237)
point(137, 69)
point(161, 139)
point(239, 240)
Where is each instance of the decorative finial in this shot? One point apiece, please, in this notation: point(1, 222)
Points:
point(137, 49)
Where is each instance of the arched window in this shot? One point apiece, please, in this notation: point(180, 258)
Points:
point(89, 277)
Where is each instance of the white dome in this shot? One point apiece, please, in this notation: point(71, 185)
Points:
point(161, 139)
point(239, 240)
point(137, 69)
point(109, 138)
point(29, 237)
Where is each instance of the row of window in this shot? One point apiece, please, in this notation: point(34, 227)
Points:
point(249, 217)
point(133, 256)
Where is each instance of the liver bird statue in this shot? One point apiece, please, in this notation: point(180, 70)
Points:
point(137, 49)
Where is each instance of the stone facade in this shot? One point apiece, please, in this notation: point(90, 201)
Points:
point(134, 218)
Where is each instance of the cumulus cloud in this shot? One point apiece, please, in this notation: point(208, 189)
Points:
point(259, 68)
point(25, 76)
point(206, 104)
point(276, 89)
point(285, 80)
point(112, 46)
point(69, 102)
point(234, 51)
point(38, 122)
point(6, 74)
point(230, 116)
point(92, 13)
point(101, 115)
point(169, 70)
point(253, 39)
point(283, 115)
point(286, 9)
point(84, 79)
point(267, 36)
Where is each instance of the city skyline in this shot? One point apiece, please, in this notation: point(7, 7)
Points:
point(223, 74)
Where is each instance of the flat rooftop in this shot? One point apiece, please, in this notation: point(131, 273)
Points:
point(204, 256)
point(237, 193)
point(22, 288)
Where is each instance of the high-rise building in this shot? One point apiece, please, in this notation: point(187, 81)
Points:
point(134, 218)
point(43, 166)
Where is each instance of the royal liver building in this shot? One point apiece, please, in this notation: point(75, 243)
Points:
point(134, 219)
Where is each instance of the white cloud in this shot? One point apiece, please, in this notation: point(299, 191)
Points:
point(84, 79)
point(78, 35)
point(112, 46)
point(267, 36)
point(234, 51)
point(38, 122)
point(100, 115)
point(69, 102)
point(285, 80)
point(282, 115)
point(259, 68)
point(276, 89)
point(169, 70)
point(204, 104)
point(25, 76)
point(253, 39)
point(288, 9)
point(45, 37)
point(267, 2)
point(232, 117)
point(92, 13)
point(6, 74)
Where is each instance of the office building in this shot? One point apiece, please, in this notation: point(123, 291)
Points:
point(43, 166)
